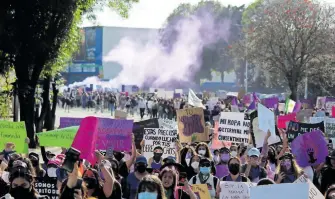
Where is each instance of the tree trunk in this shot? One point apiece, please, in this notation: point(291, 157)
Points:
point(294, 90)
point(222, 76)
point(45, 105)
point(27, 109)
point(15, 105)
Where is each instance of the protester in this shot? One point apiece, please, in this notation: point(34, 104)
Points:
point(35, 160)
point(203, 150)
point(328, 173)
point(193, 167)
point(252, 169)
point(288, 170)
point(150, 187)
point(222, 167)
point(234, 166)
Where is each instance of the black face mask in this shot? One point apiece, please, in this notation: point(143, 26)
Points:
point(118, 156)
point(20, 192)
point(91, 183)
point(34, 163)
point(157, 156)
point(141, 168)
point(234, 168)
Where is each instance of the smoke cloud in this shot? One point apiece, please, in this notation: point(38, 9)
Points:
point(152, 65)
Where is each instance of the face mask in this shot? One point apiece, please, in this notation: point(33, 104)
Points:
point(205, 170)
point(91, 183)
point(233, 154)
point(19, 192)
point(157, 156)
point(217, 158)
point(225, 157)
point(187, 160)
point(234, 168)
point(52, 172)
point(141, 168)
point(195, 165)
point(286, 165)
point(201, 152)
point(34, 163)
point(147, 195)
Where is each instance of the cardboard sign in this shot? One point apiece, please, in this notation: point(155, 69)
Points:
point(191, 125)
point(314, 192)
point(58, 138)
point(201, 191)
point(138, 129)
point(47, 187)
point(164, 138)
point(233, 127)
point(14, 132)
point(120, 114)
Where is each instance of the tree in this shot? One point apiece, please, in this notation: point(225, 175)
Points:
point(294, 38)
point(34, 37)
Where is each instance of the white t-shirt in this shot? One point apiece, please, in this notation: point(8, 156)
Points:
point(209, 182)
point(150, 103)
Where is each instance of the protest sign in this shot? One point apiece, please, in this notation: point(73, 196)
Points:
point(271, 102)
point(114, 133)
point(280, 191)
point(69, 121)
point(320, 102)
point(295, 129)
point(14, 132)
point(333, 111)
point(120, 114)
point(259, 135)
point(329, 103)
point(281, 107)
point(304, 115)
point(231, 190)
point(165, 138)
point(59, 137)
point(191, 125)
point(329, 125)
point(138, 129)
point(47, 187)
point(233, 127)
point(167, 124)
point(283, 119)
point(193, 99)
point(310, 149)
point(266, 119)
point(314, 192)
point(86, 137)
point(314, 120)
point(201, 191)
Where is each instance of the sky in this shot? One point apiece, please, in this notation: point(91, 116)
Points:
point(152, 13)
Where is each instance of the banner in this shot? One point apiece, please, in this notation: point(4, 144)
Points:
point(47, 187)
point(14, 132)
point(283, 119)
point(58, 138)
point(234, 190)
point(69, 121)
point(138, 129)
point(86, 137)
point(295, 129)
point(165, 138)
point(114, 133)
point(280, 191)
point(233, 127)
point(167, 124)
point(191, 125)
point(329, 125)
point(314, 192)
point(310, 149)
point(266, 120)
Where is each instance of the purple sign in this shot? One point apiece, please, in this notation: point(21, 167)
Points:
point(114, 133)
point(69, 121)
point(192, 124)
point(270, 102)
point(247, 99)
point(221, 170)
point(310, 149)
point(307, 103)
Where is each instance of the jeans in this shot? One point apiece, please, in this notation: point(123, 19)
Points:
point(142, 112)
point(112, 107)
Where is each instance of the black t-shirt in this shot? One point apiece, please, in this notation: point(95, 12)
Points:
point(116, 194)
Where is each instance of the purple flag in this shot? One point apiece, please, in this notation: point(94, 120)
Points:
point(234, 101)
point(297, 107)
point(252, 106)
point(310, 148)
point(271, 102)
point(221, 170)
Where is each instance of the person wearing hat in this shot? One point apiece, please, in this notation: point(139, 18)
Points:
point(156, 161)
point(253, 170)
point(134, 178)
point(35, 161)
point(328, 173)
point(205, 177)
point(288, 170)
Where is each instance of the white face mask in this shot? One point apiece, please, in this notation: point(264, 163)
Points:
point(195, 165)
point(52, 172)
point(233, 154)
point(5, 176)
point(202, 152)
point(188, 161)
point(217, 158)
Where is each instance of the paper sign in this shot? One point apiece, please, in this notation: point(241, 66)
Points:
point(164, 138)
point(138, 129)
point(114, 133)
point(14, 132)
point(234, 190)
point(120, 114)
point(233, 127)
point(280, 191)
point(58, 138)
point(201, 191)
point(46, 187)
point(69, 121)
point(283, 119)
point(193, 100)
point(314, 192)
point(191, 125)
point(260, 135)
point(167, 124)
point(266, 119)
point(86, 137)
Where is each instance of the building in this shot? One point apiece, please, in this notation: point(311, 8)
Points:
point(97, 42)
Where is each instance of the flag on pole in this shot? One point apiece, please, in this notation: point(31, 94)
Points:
point(289, 105)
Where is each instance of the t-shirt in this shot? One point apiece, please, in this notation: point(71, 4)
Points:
point(116, 194)
point(132, 183)
point(256, 173)
point(210, 184)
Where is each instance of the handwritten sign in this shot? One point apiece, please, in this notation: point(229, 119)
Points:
point(69, 121)
point(14, 132)
point(314, 192)
point(295, 129)
point(47, 187)
point(59, 137)
point(231, 190)
point(191, 125)
point(233, 127)
point(138, 129)
point(201, 191)
point(114, 133)
point(164, 138)
point(329, 125)
point(167, 124)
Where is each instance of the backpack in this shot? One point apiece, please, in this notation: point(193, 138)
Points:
point(215, 181)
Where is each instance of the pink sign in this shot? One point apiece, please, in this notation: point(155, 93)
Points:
point(282, 119)
point(86, 138)
point(333, 112)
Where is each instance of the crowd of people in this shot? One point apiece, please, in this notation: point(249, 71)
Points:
point(130, 175)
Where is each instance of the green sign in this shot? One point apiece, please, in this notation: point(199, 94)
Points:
point(14, 132)
point(58, 138)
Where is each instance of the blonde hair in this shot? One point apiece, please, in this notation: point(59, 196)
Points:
point(296, 169)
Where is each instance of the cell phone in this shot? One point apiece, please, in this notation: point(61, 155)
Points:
point(71, 157)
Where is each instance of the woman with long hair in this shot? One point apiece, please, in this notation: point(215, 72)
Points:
point(150, 187)
point(203, 150)
point(287, 170)
point(169, 178)
point(185, 156)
